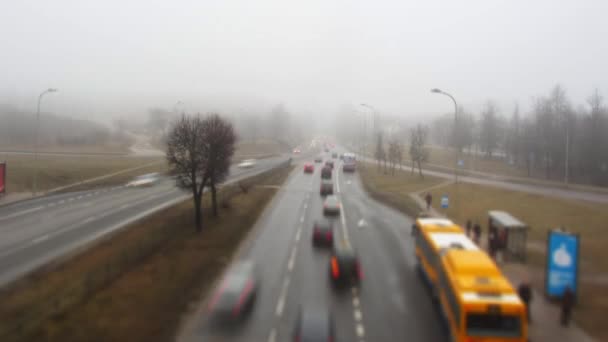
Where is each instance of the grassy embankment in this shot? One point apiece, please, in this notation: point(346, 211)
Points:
point(469, 201)
point(136, 285)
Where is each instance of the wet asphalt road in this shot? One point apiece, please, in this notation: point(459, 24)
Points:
point(391, 304)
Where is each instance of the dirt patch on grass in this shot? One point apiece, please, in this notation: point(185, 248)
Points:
point(136, 285)
point(394, 190)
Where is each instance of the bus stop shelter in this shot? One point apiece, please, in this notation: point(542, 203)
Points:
point(511, 234)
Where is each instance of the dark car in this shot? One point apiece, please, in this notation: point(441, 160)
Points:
point(331, 206)
point(235, 296)
point(326, 188)
point(334, 155)
point(326, 172)
point(348, 167)
point(322, 233)
point(314, 324)
point(329, 163)
point(319, 160)
point(344, 266)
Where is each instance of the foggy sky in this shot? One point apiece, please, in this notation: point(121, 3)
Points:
point(112, 58)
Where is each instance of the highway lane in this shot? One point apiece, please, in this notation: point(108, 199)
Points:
point(391, 304)
point(36, 231)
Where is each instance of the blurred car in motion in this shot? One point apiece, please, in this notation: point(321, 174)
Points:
point(148, 179)
point(344, 266)
point(334, 155)
point(326, 172)
point(326, 187)
point(322, 233)
point(314, 324)
point(247, 164)
point(319, 159)
point(341, 156)
point(330, 163)
point(348, 167)
point(309, 168)
point(296, 151)
point(235, 296)
point(331, 206)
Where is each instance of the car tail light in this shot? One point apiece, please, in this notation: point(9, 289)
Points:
point(335, 272)
point(242, 298)
point(359, 271)
point(329, 236)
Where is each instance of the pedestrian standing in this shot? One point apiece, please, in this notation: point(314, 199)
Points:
point(469, 227)
point(525, 293)
point(567, 304)
point(492, 245)
point(429, 200)
point(476, 233)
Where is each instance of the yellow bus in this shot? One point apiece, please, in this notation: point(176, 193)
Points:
point(431, 236)
point(477, 301)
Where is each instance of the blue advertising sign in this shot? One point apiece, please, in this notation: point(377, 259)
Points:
point(562, 263)
point(445, 201)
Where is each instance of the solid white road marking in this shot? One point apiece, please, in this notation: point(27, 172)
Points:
point(360, 330)
point(358, 315)
point(27, 211)
point(273, 335)
point(40, 239)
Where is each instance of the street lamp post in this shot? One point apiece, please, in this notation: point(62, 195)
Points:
point(439, 91)
point(49, 90)
point(375, 119)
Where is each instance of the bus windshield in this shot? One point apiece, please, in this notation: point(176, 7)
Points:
point(493, 325)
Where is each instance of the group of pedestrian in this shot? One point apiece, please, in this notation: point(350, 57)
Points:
point(473, 231)
point(524, 290)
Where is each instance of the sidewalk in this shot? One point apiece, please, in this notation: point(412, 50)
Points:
point(545, 325)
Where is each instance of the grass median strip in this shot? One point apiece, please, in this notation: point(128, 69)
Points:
point(150, 285)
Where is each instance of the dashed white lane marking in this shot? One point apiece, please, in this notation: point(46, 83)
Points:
point(89, 194)
point(273, 335)
point(360, 330)
point(281, 302)
point(301, 219)
point(40, 239)
point(70, 199)
point(305, 206)
point(50, 205)
point(354, 290)
point(348, 182)
point(343, 220)
point(356, 302)
point(124, 206)
point(79, 197)
point(298, 233)
point(357, 315)
point(90, 219)
point(62, 201)
point(96, 193)
point(292, 259)
point(338, 182)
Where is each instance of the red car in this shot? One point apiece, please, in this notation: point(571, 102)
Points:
point(309, 168)
point(322, 233)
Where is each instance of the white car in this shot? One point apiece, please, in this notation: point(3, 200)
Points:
point(148, 179)
point(247, 164)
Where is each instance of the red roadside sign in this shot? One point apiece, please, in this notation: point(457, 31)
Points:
point(2, 178)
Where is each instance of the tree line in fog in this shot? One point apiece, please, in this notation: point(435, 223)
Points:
point(554, 140)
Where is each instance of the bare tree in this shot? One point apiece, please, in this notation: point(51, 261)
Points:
point(418, 150)
point(489, 131)
point(188, 159)
point(394, 154)
point(380, 155)
point(218, 145)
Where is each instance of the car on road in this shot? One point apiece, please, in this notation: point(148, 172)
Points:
point(344, 266)
point(348, 167)
point(247, 164)
point(319, 159)
point(326, 187)
point(314, 324)
point(331, 206)
point(330, 163)
point(309, 168)
point(326, 172)
point(334, 155)
point(235, 296)
point(296, 151)
point(322, 233)
point(148, 179)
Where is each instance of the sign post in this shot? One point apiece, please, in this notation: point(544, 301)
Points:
point(2, 178)
point(561, 268)
point(445, 201)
